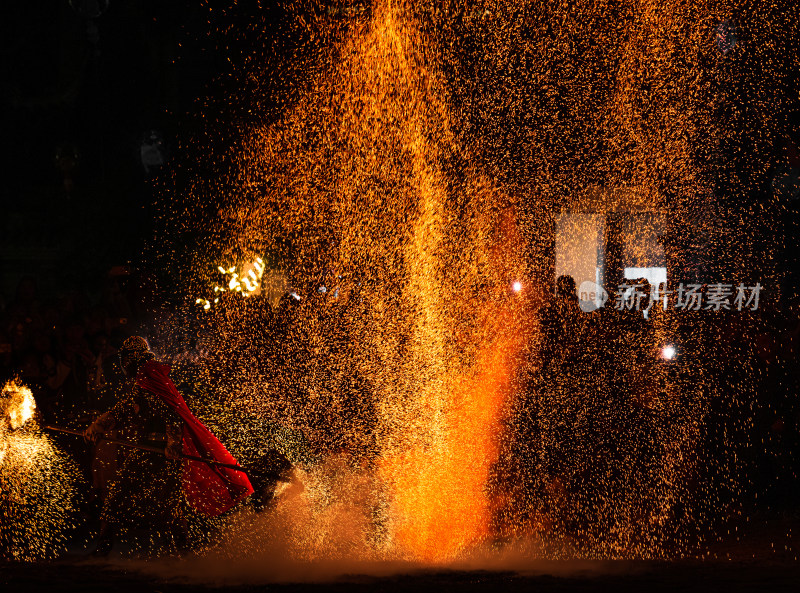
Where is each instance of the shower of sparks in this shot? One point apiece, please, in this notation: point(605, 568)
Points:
point(36, 483)
point(410, 175)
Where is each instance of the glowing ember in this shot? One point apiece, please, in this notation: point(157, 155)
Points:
point(247, 282)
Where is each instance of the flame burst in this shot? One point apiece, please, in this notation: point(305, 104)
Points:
point(407, 362)
point(17, 403)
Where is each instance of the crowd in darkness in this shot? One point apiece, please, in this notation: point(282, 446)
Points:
point(64, 346)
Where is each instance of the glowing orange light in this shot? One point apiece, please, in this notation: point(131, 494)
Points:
point(18, 404)
point(247, 283)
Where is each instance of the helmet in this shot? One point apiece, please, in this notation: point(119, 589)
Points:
point(134, 351)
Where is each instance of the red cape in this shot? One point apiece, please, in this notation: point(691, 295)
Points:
point(209, 489)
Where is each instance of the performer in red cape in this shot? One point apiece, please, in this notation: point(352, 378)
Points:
point(209, 489)
point(146, 490)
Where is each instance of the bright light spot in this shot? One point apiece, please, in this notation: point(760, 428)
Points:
point(246, 284)
point(668, 352)
point(517, 286)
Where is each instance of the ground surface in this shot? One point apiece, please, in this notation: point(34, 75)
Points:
point(756, 556)
point(729, 577)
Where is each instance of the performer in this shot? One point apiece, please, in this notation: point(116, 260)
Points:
point(147, 488)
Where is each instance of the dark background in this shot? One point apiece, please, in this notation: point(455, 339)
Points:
point(79, 96)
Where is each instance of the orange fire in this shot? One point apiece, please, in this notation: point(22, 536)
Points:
point(17, 405)
point(441, 507)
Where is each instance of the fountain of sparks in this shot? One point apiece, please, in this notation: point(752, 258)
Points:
point(405, 365)
point(414, 371)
